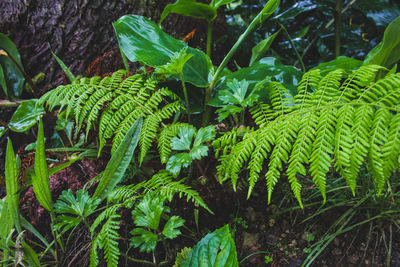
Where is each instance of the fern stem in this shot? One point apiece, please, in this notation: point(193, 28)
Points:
point(294, 47)
point(186, 95)
point(137, 260)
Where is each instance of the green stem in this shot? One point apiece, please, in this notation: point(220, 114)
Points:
point(294, 47)
point(268, 9)
point(53, 217)
point(185, 94)
point(242, 115)
point(137, 260)
point(8, 103)
point(209, 38)
point(338, 22)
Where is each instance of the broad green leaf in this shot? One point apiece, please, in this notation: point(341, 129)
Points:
point(177, 161)
point(64, 67)
point(258, 51)
point(204, 134)
point(215, 250)
point(270, 67)
point(198, 152)
point(82, 206)
point(342, 62)
point(11, 172)
point(3, 130)
point(143, 239)
point(40, 180)
point(13, 77)
point(190, 8)
point(219, 3)
point(170, 229)
point(297, 8)
point(148, 212)
point(176, 63)
point(26, 115)
point(143, 41)
point(184, 139)
point(119, 161)
point(387, 52)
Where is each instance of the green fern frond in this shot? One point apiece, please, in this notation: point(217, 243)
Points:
point(229, 139)
point(262, 114)
point(281, 99)
point(307, 85)
point(301, 152)
point(108, 237)
point(116, 102)
point(164, 139)
point(286, 133)
point(345, 124)
point(263, 147)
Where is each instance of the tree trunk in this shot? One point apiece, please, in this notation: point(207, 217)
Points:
point(78, 31)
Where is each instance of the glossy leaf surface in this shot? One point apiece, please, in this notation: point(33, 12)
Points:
point(143, 41)
point(119, 161)
point(215, 249)
point(190, 8)
point(258, 51)
point(26, 115)
point(12, 76)
point(387, 52)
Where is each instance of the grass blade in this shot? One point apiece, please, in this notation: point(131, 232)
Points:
point(40, 180)
point(12, 185)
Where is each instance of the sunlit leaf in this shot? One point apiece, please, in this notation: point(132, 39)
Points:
point(26, 115)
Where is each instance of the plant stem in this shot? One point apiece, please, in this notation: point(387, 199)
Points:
point(294, 48)
point(242, 114)
point(185, 94)
point(338, 22)
point(52, 217)
point(268, 9)
point(8, 103)
point(137, 260)
point(209, 38)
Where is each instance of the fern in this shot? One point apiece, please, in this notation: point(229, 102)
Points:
point(116, 102)
point(334, 120)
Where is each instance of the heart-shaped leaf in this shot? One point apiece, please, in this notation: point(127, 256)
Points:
point(143, 41)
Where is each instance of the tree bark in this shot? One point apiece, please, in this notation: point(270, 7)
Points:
point(78, 31)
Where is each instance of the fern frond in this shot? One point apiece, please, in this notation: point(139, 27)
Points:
point(164, 139)
point(360, 136)
point(262, 114)
point(344, 142)
point(307, 85)
point(264, 143)
point(379, 136)
point(239, 156)
point(108, 237)
point(163, 184)
point(358, 79)
point(328, 88)
point(302, 151)
point(229, 139)
point(281, 99)
point(322, 148)
point(346, 123)
point(148, 134)
point(391, 148)
point(286, 133)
